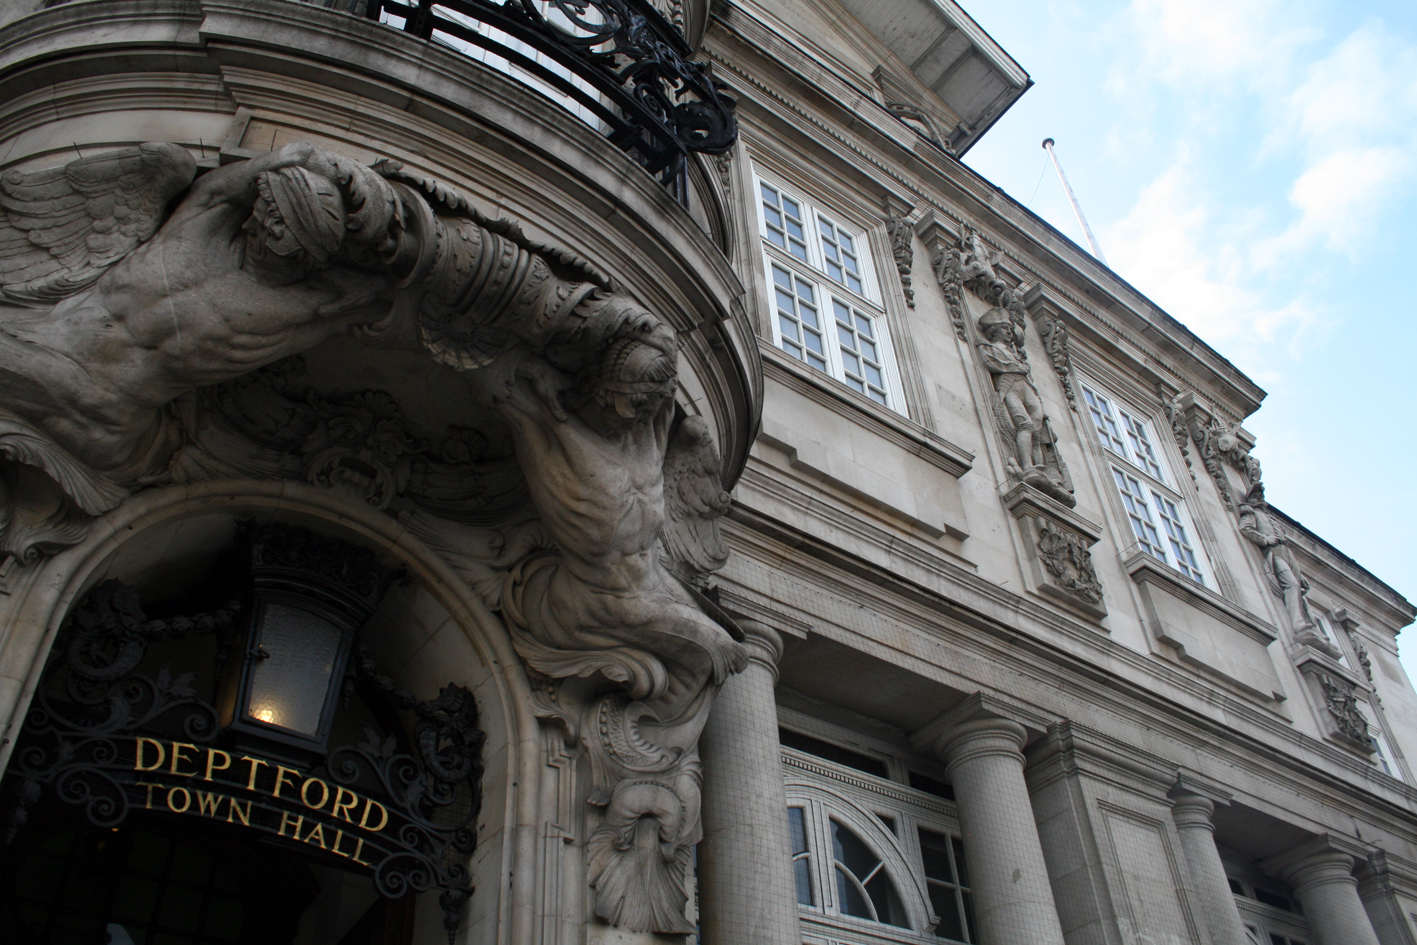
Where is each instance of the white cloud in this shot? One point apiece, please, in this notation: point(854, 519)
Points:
point(1188, 255)
point(1217, 41)
point(1338, 198)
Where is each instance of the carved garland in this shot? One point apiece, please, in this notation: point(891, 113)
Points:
point(903, 249)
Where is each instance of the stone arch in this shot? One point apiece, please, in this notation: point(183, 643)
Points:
point(510, 803)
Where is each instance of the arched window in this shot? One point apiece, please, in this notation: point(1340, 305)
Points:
point(849, 867)
point(863, 887)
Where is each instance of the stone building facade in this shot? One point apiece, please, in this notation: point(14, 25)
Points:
point(607, 473)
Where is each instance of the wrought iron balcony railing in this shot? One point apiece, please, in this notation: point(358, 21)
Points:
point(619, 64)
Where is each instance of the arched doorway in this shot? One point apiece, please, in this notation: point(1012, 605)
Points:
point(154, 800)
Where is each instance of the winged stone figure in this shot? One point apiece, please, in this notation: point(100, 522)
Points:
point(694, 501)
point(62, 228)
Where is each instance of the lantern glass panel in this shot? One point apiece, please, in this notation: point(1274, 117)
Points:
point(290, 686)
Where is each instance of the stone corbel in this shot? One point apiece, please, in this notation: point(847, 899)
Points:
point(1047, 312)
point(1057, 542)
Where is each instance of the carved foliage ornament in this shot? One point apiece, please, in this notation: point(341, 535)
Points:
point(903, 249)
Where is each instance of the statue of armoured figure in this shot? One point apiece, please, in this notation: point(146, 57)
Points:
point(1281, 570)
point(1012, 379)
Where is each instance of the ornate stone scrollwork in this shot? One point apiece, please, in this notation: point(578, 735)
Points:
point(594, 537)
point(1066, 557)
point(902, 239)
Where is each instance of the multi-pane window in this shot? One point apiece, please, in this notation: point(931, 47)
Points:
point(1157, 514)
point(860, 351)
point(1183, 553)
point(801, 856)
point(826, 305)
point(948, 882)
point(1139, 512)
point(866, 844)
point(1103, 418)
point(863, 887)
point(783, 221)
point(839, 256)
point(1270, 917)
point(799, 322)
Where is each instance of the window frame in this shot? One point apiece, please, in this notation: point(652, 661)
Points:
point(828, 295)
point(1155, 478)
point(887, 814)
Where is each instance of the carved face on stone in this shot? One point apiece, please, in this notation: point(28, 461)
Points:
point(630, 383)
point(298, 217)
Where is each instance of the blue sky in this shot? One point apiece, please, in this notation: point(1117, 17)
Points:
point(1251, 165)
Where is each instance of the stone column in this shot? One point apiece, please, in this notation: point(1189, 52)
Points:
point(1192, 816)
point(1013, 900)
point(1321, 876)
point(746, 889)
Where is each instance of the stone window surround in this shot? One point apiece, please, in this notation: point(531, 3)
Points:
point(827, 290)
point(1170, 486)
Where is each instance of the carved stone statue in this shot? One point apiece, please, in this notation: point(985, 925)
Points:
point(1281, 570)
point(594, 449)
point(111, 315)
point(1001, 352)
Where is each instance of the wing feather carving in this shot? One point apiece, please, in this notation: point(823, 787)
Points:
point(694, 501)
point(62, 228)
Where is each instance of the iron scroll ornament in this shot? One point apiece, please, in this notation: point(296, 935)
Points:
point(654, 102)
point(107, 737)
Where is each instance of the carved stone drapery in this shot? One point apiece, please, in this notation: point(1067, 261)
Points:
point(593, 535)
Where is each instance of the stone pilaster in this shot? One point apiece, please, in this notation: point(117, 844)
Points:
point(1013, 900)
point(1192, 813)
point(746, 889)
point(1320, 872)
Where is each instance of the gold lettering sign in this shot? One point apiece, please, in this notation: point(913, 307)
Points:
point(196, 781)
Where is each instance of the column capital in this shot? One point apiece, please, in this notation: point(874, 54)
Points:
point(934, 736)
point(1322, 861)
point(763, 643)
point(980, 738)
point(1192, 810)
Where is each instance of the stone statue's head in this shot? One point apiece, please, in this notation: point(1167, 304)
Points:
point(996, 326)
point(1254, 498)
point(298, 217)
point(631, 379)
